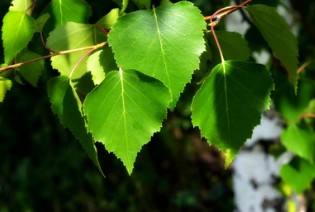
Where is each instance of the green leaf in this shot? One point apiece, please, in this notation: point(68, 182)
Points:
point(32, 71)
point(300, 141)
point(124, 6)
point(279, 37)
point(67, 106)
point(71, 36)
point(100, 63)
point(21, 6)
point(5, 85)
point(142, 3)
point(109, 19)
point(124, 111)
point(41, 21)
point(229, 104)
point(17, 30)
point(289, 104)
point(299, 173)
point(233, 45)
point(70, 11)
point(164, 43)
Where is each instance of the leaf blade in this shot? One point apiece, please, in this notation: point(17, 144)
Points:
point(16, 39)
point(70, 11)
point(299, 141)
point(169, 41)
point(124, 111)
point(282, 42)
point(5, 86)
point(67, 106)
point(233, 97)
point(32, 71)
point(70, 36)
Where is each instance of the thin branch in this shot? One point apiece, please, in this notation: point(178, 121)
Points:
point(303, 66)
point(307, 115)
point(17, 65)
point(223, 12)
point(80, 60)
point(217, 43)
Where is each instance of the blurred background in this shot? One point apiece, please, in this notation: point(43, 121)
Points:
point(43, 168)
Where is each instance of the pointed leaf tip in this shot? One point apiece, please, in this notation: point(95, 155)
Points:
point(124, 111)
point(66, 105)
point(229, 104)
point(282, 42)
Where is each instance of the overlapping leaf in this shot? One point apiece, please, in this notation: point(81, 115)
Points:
point(109, 19)
point(17, 30)
point(299, 173)
point(229, 104)
point(32, 71)
point(100, 63)
point(67, 106)
point(71, 36)
point(5, 85)
point(164, 43)
point(124, 111)
point(70, 11)
point(276, 32)
point(233, 45)
point(300, 141)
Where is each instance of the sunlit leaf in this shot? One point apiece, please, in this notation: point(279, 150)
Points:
point(164, 43)
point(100, 63)
point(299, 173)
point(124, 111)
point(71, 36)
point(17, 30)
point(300, 141)
point(109, 19)
point(21, 6)
point(5, 85)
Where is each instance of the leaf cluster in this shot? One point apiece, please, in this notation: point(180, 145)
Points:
point(120, 75)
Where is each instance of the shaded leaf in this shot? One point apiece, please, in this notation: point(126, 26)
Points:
point(229, 104)
point(142, 3)
point(300, 141)
point(166, 46)
point(288, 103)
point(233, 45)
point(278, 35)
point(124, 111)
point(41, 21)
point(32, 71)
point(299, 173)
point(67, 106)
point(5, 85)
point(17, 30)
